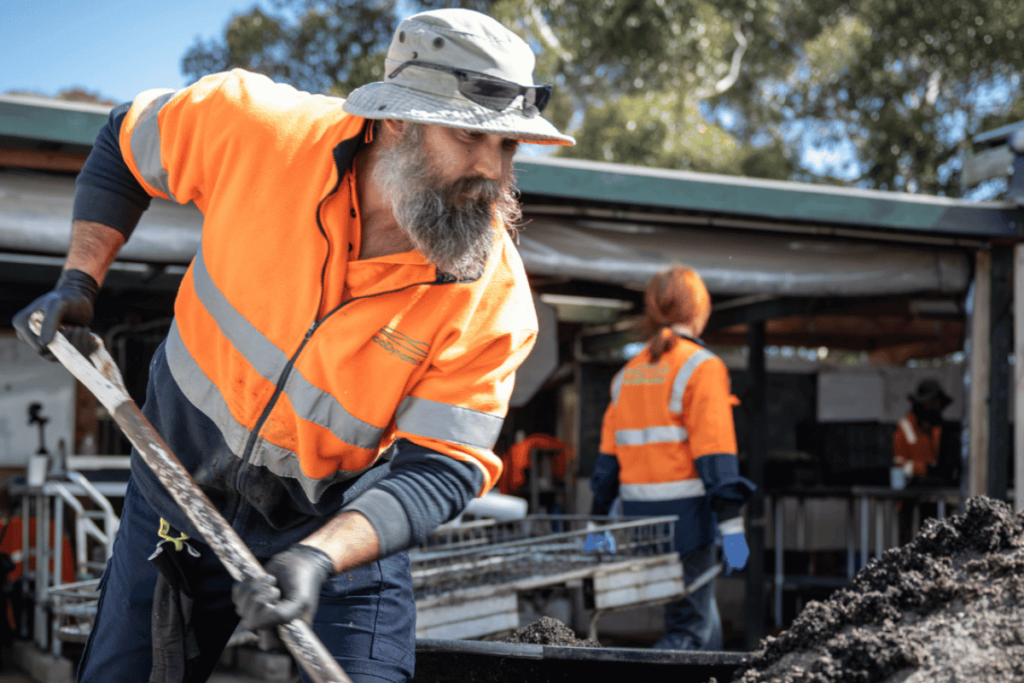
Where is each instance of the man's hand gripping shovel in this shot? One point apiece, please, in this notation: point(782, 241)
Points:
point(100, 375)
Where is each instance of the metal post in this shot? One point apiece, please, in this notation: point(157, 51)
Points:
point(864, 531)
point(851, 534)
point(976, 380)
point(1018, 374)
point(58, 564)
point(1001, 339)
point(780, 577)
point(879, 527)
point(42, 567)
point(757, 451)
point(26, 553)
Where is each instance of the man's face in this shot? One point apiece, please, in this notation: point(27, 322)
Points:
point(447, 187)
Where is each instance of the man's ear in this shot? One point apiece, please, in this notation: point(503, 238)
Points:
point(392, 129)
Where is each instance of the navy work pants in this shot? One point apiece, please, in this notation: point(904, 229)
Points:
point(693, 623)
point(366, 618)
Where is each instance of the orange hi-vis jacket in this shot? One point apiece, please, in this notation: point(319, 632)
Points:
point(910, 444)
point(663, 417)
point(309, 362)
point(669, 426)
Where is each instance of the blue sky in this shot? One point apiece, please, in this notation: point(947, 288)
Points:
point(115, 47)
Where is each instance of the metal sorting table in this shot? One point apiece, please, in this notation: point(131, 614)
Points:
point(865, 505)
point(466, 578)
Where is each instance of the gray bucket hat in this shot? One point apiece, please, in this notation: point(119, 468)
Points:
point(461, 69)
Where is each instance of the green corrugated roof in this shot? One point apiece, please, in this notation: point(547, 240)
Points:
point(643, 188)
point(776, 201)
point(34, 118)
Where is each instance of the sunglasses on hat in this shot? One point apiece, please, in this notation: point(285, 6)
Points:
point(488, 91)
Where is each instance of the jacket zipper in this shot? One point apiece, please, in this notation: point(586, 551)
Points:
point(279, 388)
point(251, 442)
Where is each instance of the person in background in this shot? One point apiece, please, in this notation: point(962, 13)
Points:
point(915, 450)
point(668, 447)
point(915, 444)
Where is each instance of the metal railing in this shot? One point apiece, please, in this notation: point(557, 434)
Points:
point(490, 553)
point(63, 611)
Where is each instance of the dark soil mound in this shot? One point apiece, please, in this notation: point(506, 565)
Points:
point(548, 631)
point(949, 607)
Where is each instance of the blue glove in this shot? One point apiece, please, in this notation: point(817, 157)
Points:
point(735, 552)
point(601, 543)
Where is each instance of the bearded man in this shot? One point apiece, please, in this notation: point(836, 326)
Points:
point(344, 342)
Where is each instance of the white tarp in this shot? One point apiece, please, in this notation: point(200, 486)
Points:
point(739, 263)
point(35, 212)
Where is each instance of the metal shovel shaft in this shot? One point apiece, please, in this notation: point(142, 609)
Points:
point(100, 375)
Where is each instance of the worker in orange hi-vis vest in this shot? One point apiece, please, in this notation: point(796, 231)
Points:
point(915, 443)
point(915, 450)
point(668, 447)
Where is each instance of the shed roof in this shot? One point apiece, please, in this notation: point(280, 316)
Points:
point(596, 229)
point(50, 123)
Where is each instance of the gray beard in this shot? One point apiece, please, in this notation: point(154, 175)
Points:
point(451, 225)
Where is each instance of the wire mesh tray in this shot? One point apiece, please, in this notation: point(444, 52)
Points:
point(491, 553)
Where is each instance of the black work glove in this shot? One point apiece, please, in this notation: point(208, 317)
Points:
point(291, 590)
point(70, 303)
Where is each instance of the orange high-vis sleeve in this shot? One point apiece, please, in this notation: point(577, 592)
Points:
point(707, 410)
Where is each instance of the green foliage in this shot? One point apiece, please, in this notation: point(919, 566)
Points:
point(765, 88)
point(635, 78)
point(316, 45)
point(903, 86)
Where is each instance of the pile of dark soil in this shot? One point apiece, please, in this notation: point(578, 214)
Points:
point(948, 607)
point(548, 631)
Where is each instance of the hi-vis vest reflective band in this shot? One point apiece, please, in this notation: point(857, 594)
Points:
point(309, 362)
point(665, 415)
point(908, 431)
point(663, 433)
point(669, 490)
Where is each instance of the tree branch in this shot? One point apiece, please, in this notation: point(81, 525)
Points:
point(737, 59)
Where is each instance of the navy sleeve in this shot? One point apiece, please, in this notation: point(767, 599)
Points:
point(106, 191)
point(725, 489)
point(423, 490)
point(604, 482)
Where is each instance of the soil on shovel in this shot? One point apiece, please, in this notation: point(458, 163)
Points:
point(548, 631)
point(948, 607)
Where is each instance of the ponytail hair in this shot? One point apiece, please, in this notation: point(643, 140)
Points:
point(675, 295)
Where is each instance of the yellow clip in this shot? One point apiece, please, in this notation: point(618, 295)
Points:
point(165, 533)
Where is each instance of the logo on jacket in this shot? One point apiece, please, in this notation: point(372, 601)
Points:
point(646, 374)
point(397, 344)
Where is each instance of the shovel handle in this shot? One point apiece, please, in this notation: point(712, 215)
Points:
point(100, 375)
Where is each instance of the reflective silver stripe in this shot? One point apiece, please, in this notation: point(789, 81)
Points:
point(649, 435)
point(145, 144)
point(268, 360)
point(309, 402)
point(908, 431)
point(203, 393)
point(319, 407)
point(675, 401)
point(205, 396)
point(446, 422)
point(617, 384)
point(285, 463)
point(669, 490)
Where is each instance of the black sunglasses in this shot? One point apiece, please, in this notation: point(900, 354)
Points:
point(488, 91)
